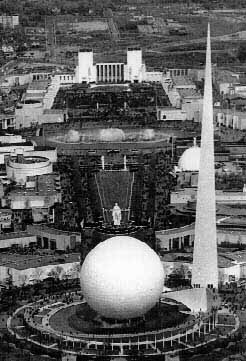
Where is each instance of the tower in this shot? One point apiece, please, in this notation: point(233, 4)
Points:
point(205, 263)
point(85, 69)
point(135, 64)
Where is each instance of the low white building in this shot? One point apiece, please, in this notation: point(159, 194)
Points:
point(22, 270)
point(18, 239)
point(186, 195)
point(21, 167)
point(9, 21)
point(230, 268)
point(52, 238)
point(170, 114)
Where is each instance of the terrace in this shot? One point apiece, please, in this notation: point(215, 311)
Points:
point(114, 100)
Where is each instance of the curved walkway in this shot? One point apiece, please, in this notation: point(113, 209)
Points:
point(153, 342)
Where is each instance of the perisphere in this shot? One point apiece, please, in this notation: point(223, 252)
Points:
point(122, 278)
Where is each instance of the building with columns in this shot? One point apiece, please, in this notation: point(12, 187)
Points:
point(112, 72)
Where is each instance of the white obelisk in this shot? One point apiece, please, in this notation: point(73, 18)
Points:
point(205, 263)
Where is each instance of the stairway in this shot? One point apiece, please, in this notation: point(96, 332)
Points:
point(51, 93)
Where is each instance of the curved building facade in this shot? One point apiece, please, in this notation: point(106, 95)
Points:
point(20, 167)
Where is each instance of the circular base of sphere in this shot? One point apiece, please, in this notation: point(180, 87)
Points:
point(82, 319)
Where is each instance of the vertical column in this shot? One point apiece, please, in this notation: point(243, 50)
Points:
point(125, 162)
point(102, 160)
point(101, 72)
point(119, 73)
point(112, 78)
point(114, 66)
point(107, 73)
point(122, 72)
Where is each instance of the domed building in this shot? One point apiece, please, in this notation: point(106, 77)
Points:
point(190, 159)
point(188, 166)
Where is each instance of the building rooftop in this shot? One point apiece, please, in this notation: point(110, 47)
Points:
point(45, 186)
point(182, 80)
point(13, 235)
point(189, 93)
point(224, 259)
point(45, 228)
point(20, 144)
point(38, 85)
point(225, 76)
point(40, 259)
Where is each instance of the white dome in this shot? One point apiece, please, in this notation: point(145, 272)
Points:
point(190, 159)
point(122, 278)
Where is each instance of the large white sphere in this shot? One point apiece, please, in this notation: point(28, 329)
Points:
point(122, 278)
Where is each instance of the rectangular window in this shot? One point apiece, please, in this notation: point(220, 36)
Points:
point(46, 242)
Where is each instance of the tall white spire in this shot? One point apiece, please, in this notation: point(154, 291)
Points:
point(205, 263)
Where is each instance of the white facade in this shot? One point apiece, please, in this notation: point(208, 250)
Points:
point(85, 71)
point(29, 114)
point(63, 240)
point(192, 106)
point(50, 154)
point(183, 196)
point(19, 169)
point(22, 277)
point(231, 273)
point(27, 150)
point(133, 71)
point(229, 118)
point(11, 138)
point(165, 114)
point(9, 21)
point(31, 201)
point(8, 149)
point(19, 238)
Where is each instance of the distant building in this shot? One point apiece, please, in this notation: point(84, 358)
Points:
point(7, 121)
point(54, 239)
point(5, 220)
point(26, 269)
point(35, 199)
point(186, 195)
point(9, 21)
point(134, 70)
point(16, 239)
point(231, 265)
point(19, 168)
point(170, 114)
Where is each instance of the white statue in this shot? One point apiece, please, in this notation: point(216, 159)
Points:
point(116, 213)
